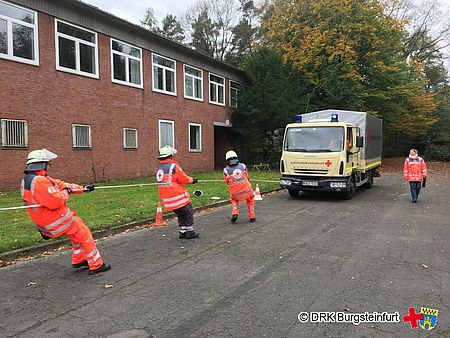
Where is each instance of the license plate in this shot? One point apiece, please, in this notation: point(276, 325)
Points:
point(310, 183)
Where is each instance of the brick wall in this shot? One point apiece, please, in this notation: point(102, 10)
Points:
point(52, 100)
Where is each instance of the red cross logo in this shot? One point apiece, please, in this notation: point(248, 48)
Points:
point(413, 317)
point(328, 163)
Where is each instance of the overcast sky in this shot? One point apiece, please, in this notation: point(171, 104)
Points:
point(134, 10)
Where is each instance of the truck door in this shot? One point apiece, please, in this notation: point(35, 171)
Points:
point(350, 146)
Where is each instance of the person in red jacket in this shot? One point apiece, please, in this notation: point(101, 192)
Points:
point(52, 216)
point(415, 172)
point(172, 192)
point(235, 174)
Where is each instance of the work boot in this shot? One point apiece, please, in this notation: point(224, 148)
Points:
point(182, 234)
point(234, 218)
point(191, 234)
point(104, 267)
point(80, 265)
point(253, 219)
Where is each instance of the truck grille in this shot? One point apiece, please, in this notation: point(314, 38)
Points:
point(311, 171)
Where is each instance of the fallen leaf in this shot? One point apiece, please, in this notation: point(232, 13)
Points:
point(424, 266)
point(31, 283)
point(108, 286)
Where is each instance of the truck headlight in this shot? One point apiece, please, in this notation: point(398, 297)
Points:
point(338, 184)
point(285, 182)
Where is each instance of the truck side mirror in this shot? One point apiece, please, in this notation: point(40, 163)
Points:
point(360, 141)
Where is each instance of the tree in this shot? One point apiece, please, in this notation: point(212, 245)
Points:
point(149, 20)
point(209, 24)
point(273, 93)
point(171, 29)
point(351, 53)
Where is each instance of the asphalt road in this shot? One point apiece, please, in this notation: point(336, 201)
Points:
point(377, 252)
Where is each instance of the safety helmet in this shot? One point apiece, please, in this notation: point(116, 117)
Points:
point(231, 158)
point(166, 152)
point(38, 159)
point(230, 154)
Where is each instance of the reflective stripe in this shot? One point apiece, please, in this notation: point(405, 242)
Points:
point(75, 245)
point(93, 252)
point(57, 231)
point(96, 257)
point(372, 165)
point(33, 183)
point(57, 222)
point(76, 252)
point(175, 198)
point(184, 200)
point(238, 181)
point(172, 168)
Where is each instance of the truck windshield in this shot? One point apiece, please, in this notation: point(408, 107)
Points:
point(314, 139)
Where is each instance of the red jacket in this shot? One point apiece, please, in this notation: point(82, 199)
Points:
point(414, 169)
point(171, 190)
point(52, 218)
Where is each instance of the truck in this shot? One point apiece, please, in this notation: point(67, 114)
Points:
point(331, 151)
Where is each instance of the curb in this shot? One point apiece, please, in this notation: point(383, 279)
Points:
point(101, 233)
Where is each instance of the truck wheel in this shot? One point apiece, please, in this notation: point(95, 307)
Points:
point(369, 183)
point(348, 195)
point(294, 192)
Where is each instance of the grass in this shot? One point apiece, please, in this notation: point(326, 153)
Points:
point(106, 208)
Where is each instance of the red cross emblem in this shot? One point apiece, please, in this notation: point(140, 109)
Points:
point(413, 317)
point(328, 163)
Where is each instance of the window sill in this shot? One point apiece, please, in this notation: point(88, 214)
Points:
point(76, 72)
point(217, 103)
point(164, 92)
point(19, 60)
point(195, 151)
point(193, 98)
point(130, 149)
point(127, 84)
point(82, 148)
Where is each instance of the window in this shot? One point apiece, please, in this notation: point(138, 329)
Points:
point(195, 137)
point(14, 133)
point(18, 34)
point(76, 50)
point(81, 135)
point(193, 83)
point(234, 92)
point(126, 63)
point(216, 89)
point(164, 75)
point(166, 134)
point(130, 138)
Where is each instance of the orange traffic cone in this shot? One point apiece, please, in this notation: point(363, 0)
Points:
point(159, 221)
point(258, 196)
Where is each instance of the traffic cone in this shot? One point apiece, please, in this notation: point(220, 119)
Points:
point(258, 196)
point(159, 221)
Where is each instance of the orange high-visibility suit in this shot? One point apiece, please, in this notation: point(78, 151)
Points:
point(171, 190)
point(54, 219)
point(236, 177)
point(414, 169)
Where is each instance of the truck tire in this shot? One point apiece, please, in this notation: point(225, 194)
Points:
point(369, 183)
point(348, 195)
point(294, 192)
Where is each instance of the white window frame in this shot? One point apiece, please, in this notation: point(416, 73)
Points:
point(125, 139)
point(76, 71)
point(127, 70)
point(238, 90)
point(164, 75)
point(199, 150)
point(73, 135)
point(159, 132)
point(9, 22)
point(217, 89)
point(193, 78)
point(3, 127)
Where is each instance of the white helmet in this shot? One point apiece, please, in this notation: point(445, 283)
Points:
point(166, 151)
point(42, 155)
point(38, 159)
point(230, 154)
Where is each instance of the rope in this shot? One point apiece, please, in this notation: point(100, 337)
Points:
point(122, 186)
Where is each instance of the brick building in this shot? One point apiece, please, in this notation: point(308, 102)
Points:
point(105, 94)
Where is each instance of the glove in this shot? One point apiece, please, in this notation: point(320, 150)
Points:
point(44, 236)
point(424, 182)
point(89, 188)
point(194, 180)
point(68, 190)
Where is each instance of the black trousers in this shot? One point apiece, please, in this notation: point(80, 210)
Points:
point(185, 218)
